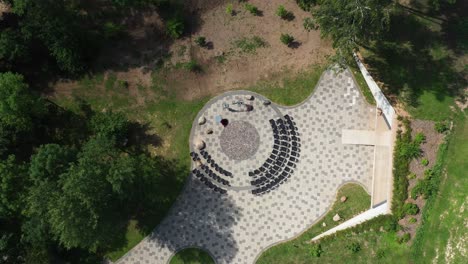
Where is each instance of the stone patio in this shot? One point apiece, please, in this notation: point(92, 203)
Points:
point(238, 226)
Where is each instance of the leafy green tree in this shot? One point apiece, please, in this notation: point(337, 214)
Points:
point(18, 107)
point(12, 46)
point(12, 182)
point(352, 23)
point(110, 125)
point(61, 27)
point(86, 209)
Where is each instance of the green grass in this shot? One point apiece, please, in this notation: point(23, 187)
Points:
point(365, 90)
point(294, 89)
point(297, 250)
point(443, 232)
point(432, 107)
point(191, 256)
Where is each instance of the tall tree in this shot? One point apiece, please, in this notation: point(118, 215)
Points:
point(352, 23)
point(18, 108)
point(12, 183)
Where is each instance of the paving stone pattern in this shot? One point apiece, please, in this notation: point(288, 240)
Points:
point(238, 226)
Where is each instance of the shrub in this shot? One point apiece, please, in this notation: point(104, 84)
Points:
point(200, 41)
point(424, 162)
point(175, 28)
point(316, 250)
point(250, 45)
point(354, 247)
point(410, 208)
point(419, 138)
point(411, 176)
point(401, 169)
point(306, 4)
point(286, 39)
point(428, 185)
point(441, 126)
point(252, 9)
point(380, 253)
point(309, 24)
point(410, 150)
point(283, 13)
point(390, 225)
point(412, 220)
point(191, 65)
point(404, 238)
point(111, 30)
point(230, 9)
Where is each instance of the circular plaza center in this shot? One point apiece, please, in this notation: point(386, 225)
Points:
point(239, 140)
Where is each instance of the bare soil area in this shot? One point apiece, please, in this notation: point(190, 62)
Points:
point(223, 66)
point(429, 151)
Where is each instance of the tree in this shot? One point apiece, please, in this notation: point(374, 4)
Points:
point(18, 107)
point(110, 125)
point(12, 47)
point(87, 209)
point(60, 27)
point(12, 183)
point(352, 23)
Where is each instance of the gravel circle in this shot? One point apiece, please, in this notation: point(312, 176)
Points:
point(239, 140)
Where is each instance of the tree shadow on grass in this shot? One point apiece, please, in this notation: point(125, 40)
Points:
point(405, 61)
point(140, 138)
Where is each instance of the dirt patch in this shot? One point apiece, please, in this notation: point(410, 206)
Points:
point(429, 151)
point(222, 65)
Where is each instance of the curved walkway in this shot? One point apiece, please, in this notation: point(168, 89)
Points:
point(236, 227)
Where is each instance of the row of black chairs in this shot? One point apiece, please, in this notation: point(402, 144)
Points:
point(208, 182)
point(281, 163)
point(214, 176)
point(213, 164)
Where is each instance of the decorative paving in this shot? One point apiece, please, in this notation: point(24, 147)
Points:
point(236, 227)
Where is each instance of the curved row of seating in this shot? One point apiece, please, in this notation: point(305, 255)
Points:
point(280, 165)
point(208, 182)
point(213, 163)
point(205, 174)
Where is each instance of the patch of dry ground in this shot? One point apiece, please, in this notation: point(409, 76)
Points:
point(134, 58)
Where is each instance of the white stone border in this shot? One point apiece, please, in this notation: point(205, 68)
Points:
point(379, 97)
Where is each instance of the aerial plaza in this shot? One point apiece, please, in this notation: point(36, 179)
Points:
point(263, 173)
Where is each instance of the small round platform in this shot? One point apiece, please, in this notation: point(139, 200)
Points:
point(239, 140)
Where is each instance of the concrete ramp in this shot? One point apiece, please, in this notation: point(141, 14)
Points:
point(358, 137)
point(366, 137)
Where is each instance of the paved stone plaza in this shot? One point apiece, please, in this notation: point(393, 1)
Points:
point(238, 226)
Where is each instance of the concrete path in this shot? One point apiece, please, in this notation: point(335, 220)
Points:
point(238, 226)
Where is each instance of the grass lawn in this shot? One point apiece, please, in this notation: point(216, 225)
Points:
point(362, 84)
point(443, 236)
point(296, 250)
point(191, 256)
point(432, 107)
point(290, 90)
